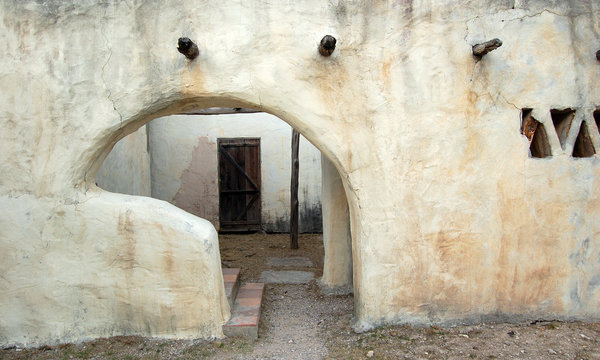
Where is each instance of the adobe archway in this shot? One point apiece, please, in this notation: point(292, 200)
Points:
point(121, 264)
point(337, 263)
point(335, 281)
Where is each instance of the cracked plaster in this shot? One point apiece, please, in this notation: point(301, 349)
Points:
point(451, 220)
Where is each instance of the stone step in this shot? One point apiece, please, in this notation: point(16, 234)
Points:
point(231, 277)
point(245, 312)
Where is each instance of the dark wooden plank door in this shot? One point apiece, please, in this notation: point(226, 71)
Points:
point(239, 184)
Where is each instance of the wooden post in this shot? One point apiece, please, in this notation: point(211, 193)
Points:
point(481, 49)
point(327, 45)
point(188, 48)
point(294, 191)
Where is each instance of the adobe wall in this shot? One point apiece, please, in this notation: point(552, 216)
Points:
point(126, 169)
point(451, 219)
point(337, 239)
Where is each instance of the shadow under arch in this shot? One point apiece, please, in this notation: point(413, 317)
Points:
point(338, 278)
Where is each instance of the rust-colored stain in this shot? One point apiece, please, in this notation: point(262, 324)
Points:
point(126, 229)
point(473, 138)
point(333, 81)
point(530, 260)
point(385, 74)
point(168, 258)
point(193, 78)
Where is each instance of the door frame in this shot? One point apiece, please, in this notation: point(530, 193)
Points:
point(252, 190)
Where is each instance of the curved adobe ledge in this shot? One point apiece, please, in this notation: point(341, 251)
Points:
point(109, 264)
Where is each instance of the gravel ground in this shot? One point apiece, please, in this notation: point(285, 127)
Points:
point(297, 322)
point(291, 324)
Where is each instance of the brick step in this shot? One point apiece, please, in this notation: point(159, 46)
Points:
point(245, 312)
point(231, 277)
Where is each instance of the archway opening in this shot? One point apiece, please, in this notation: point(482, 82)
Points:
point(178, 159)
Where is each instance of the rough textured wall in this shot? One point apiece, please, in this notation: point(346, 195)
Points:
point(337, 240)
point(126, 169)
point(451, 219)
point(185, 166)
point(105, 266)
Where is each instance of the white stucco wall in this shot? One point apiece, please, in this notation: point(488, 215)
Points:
point(104, 266)
point(185, 166)
point(451, 220)
point(126, 169)
point(337, 240)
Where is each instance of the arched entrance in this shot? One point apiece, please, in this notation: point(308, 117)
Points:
point(183, 155)
point(338, 258)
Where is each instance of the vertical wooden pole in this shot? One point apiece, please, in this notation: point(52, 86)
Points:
point(294, 191)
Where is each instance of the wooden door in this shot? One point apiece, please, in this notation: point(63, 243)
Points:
point(239, 184)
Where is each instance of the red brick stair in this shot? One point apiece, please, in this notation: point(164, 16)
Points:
point(245, 312)
point(231, 277)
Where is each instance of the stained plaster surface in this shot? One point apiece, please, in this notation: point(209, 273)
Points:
point(185, 168)
point(451, 220)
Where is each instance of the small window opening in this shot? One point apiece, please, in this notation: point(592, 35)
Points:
point(583, 144)
point(528, 124)
point(536, 134)
point(562, 120)
point(597, 118)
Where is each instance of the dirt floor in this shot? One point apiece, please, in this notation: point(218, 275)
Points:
point(250, 252)
point(298, 322)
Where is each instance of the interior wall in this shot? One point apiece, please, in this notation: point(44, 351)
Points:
point(185, 166)
point(126, 169)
